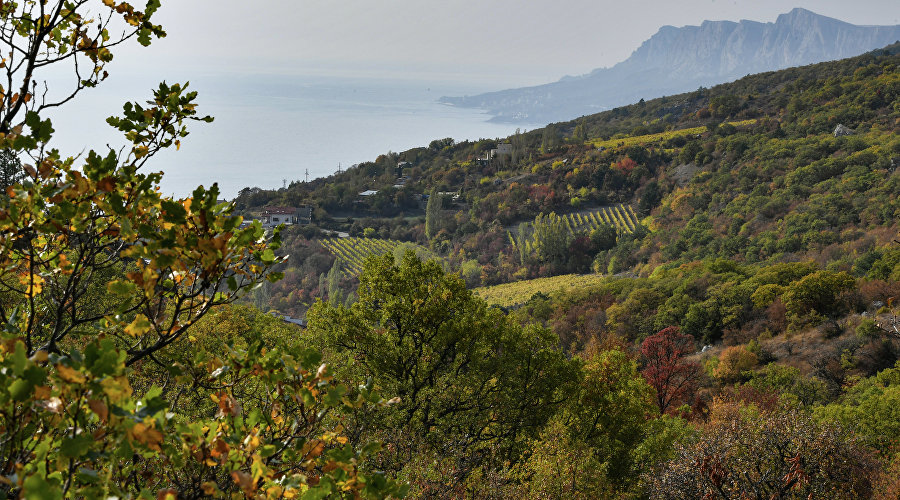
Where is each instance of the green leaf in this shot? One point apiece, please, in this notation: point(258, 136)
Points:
point(322, 490)
point(20, 359)
point(268, 256)
point(41, 130)
point(121, 288)
point(173, 212)
point(87, 475)
point(40, 488)
point(75, 447)
point(20, 389)
point(151, 8)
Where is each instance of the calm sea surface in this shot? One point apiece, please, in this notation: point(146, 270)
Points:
point(272, 129)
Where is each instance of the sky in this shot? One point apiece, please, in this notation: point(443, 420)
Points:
point(497, 42)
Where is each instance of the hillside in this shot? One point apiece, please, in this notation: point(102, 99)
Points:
point(676, 60)
point(748, 171)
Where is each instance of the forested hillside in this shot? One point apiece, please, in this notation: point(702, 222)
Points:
point(749, 171)
point(743, 268)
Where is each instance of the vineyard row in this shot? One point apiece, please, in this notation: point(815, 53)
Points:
point(352, 252)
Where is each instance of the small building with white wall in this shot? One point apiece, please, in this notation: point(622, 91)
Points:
point(273, 216)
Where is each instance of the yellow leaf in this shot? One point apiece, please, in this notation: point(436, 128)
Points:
point(139, 326)
point(167, 495)
point(33, 282)
point(146, 435)
point(116, 388)
point(313, 448)
point(69, 374)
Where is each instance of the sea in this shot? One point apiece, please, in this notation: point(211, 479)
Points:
point(271, 130)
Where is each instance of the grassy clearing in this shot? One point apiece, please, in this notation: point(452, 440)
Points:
point(658, 138)
point(511, 294)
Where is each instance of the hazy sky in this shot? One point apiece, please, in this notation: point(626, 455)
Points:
point(503, 41)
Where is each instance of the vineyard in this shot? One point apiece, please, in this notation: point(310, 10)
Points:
point(511, 294)
point(352, 252)
point(660, 137)
point(620, 216)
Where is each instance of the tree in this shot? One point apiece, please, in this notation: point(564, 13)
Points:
point(605, 434)
point(870, 407)
point(102, 282)
point(611, 409)
point(518, 147)
point(548, 238)
point(650, 198)
point(471, 384)
point(604, 237)
point(433, 214)
point(666, 369)
point(819, 295)
point(745, 452)
point(43, 35)
point(11, 172)
point(550, 139)
point(580, 133)
point(734, 363)
point(333, 280)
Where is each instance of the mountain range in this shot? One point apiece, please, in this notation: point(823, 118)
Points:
point(677, 60)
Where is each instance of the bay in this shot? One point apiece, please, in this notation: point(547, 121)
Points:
point(270, 130)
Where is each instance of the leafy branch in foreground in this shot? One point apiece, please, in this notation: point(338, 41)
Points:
point(103, 284)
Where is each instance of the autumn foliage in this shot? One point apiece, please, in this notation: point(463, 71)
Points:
point(667, 370)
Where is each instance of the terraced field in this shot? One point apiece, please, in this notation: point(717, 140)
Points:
point(660, 137)
point(512, 294)
point(621, 216)
point(352, 252)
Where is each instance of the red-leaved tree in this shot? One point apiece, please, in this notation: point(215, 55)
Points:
point(667, 369)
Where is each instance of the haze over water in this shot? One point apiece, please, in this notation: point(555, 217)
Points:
point(269, 129)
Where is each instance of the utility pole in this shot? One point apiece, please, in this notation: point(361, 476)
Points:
point(339, 168)
point(307, 176)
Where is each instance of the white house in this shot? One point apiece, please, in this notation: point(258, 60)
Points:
point(273, 216)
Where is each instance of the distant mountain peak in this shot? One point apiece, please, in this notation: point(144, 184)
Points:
point(676, 60)
point(799, 16)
